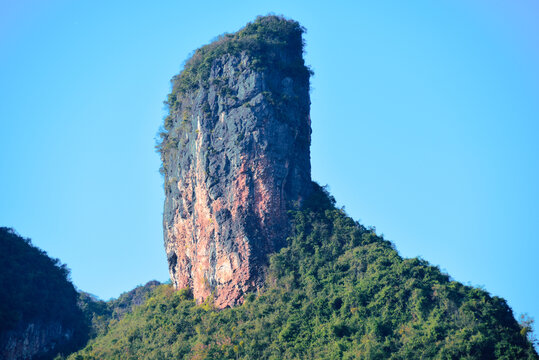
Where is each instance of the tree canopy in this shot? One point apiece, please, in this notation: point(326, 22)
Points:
point(337, 291)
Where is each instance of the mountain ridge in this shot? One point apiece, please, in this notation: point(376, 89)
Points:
point(336, 291)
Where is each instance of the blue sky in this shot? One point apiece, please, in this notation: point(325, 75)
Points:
point(425, 122)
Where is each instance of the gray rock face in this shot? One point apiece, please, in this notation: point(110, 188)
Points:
point(236, 158)
point(34, 339)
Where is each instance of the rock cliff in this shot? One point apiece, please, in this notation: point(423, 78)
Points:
point(235, 152)
point(34, 340)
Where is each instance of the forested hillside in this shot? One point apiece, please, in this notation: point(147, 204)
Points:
point(337, 290)
point(39, 316)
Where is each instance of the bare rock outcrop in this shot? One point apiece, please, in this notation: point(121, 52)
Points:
point(236, 157)
point(34, 340)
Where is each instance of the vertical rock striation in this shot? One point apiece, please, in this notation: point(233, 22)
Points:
point(34, 340)
point(235, 152)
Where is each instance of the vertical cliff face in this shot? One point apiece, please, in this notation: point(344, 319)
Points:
point(235, 153)
point(34, 340)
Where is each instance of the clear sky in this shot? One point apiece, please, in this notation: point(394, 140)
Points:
point(425, 124)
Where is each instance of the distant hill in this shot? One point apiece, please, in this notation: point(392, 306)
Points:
point(39, 316)
point(100, 314)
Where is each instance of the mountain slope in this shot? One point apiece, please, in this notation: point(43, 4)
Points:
point(337, 290)
point(101, 314)
point(39, 316)
point(245, 227)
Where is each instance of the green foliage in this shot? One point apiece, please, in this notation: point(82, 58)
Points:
point(36, 288)
point(263, 40)
point(271, 43)
point(336, 291)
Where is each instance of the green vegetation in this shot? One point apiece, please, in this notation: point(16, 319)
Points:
point(337, 291)
point(101, 314)
point(270, 42)
point(264, 40)
point(36, 288)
